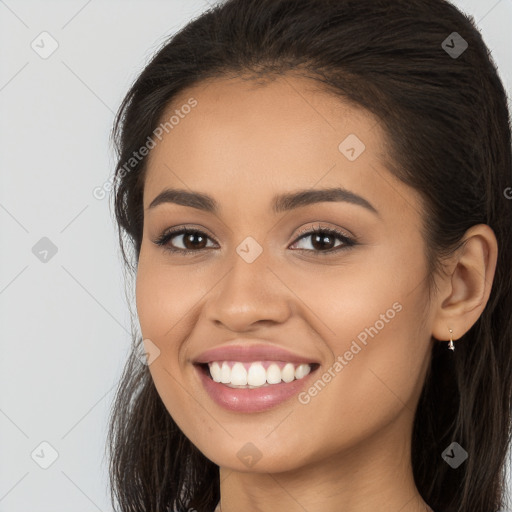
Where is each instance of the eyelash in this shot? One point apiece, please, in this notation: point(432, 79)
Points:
point(169, 234)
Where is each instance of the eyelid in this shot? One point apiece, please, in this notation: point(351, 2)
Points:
point(322, 227)
point(188, 227)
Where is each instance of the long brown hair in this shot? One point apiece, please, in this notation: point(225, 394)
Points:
point(449, 132)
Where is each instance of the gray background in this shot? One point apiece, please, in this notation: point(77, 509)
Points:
point(65, 321)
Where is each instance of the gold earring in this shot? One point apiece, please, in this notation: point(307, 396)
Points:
point(450, 345)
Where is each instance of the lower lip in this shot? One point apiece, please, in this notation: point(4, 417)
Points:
point(252, 400)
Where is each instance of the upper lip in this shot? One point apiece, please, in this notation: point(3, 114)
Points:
point(250, 353)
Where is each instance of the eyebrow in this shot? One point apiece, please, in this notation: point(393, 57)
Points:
point(280, 202)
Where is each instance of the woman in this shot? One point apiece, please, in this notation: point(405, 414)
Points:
point(317, 195)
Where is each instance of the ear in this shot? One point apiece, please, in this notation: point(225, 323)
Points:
point(465, 287)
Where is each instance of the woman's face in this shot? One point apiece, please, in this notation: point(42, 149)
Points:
point(257, 277)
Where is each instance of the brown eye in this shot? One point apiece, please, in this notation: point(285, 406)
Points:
point(192, 240)
point(323, 240)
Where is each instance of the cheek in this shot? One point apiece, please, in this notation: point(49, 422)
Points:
point(165, 296)
point(164, 299)
point(370, 321)
point(150, 285)
point(377, 370)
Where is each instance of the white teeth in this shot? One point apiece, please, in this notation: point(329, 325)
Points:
point(302, 370)
point(215, 371)
point(273, 374)
point(225, 374)
point(256, 376)
point(288, 372)
point(238, 375)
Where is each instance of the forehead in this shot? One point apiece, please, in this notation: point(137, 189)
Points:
point(250, 139)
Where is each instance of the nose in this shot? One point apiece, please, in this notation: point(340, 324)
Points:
point(249, 294)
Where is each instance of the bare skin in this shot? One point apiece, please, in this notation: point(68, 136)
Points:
point(348, 448)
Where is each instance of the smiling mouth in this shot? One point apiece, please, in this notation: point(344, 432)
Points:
point(257, 374)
